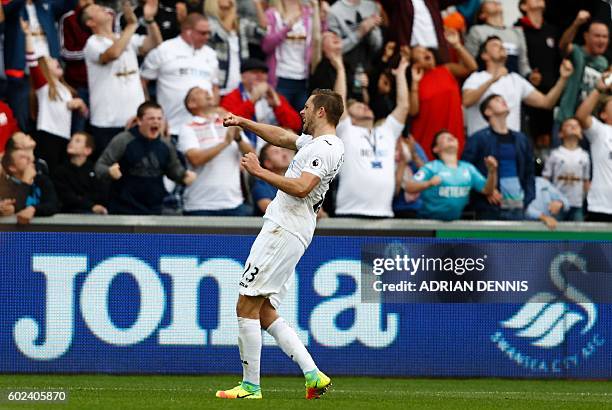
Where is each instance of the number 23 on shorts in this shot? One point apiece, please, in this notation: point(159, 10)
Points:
point(249, 274)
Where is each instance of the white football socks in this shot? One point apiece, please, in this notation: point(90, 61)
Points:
point(249, 343)
point(290, 343)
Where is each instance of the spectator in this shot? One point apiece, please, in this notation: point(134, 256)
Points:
point(381, 90)
point(549, 205)
point(181, 63)
point(544, 59)
point(277, 160)
point(569, 167)
point(446, 182)
point(514, 155)
point(256, 99)
point(515, 90)
point(42, 16)
point(513, 39)
point(409, 157)
point(357, 22)
point(293, 43)
point(55, 103)
point(77, 186)
point(230, 39)
point(324, 74)
point(561, 13)
point(418, 22)
point(8, 124)
point(588, 61)
point(254, 10)
point(435, 97)
point(112, 68)
point(165, 17)
point(367, 180)
point(73, 37)
point(185, 8)
point(29, 193)
point(599, 134)
point(2, 73)
point(136, 161)
point(213, 152)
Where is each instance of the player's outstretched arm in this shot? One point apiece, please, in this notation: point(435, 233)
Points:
point(298, 187)
point(270, 133)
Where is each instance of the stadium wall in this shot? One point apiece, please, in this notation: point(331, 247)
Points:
point(157, 295)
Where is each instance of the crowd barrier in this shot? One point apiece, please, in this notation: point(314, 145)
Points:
point(157, 295)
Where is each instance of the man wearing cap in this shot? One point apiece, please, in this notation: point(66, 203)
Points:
point(256, 99)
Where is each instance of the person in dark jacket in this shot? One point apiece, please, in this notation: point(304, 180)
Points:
point(136, 160)
point(24, 192)
point(544, 58)
point(78, 188)
point(514, 154)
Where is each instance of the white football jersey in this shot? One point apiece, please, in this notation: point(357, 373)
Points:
point(323, 157)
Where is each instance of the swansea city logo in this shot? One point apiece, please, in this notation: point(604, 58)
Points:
point(547, 319)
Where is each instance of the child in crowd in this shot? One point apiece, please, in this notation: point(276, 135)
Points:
point(549, 205)
point(75, 180)
point(55, 103)
point(568, 168)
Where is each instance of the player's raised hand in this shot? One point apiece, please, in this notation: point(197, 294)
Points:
point(250, 162)
point(232, 120)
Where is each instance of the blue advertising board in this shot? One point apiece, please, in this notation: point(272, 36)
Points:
point(162, 303)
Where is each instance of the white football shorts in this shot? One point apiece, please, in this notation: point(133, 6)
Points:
point(270, 264)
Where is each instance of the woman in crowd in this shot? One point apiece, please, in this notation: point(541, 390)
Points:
point(230, 39)
point(292, 44)
point(435, 96)
point(55, 101)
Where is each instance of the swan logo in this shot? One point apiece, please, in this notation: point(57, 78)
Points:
point(546, 319)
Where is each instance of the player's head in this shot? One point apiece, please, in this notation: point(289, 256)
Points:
point(444, 142)
point(570, 128)
point(322, 107)
point(150, 117)
point(492, 106)
point(198, 100)
point(275, 159)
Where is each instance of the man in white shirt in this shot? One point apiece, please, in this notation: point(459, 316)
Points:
point(112, 68)
point(512, 87)
point(180, 64)
point(599, 134)
point(213, 152)
point(367, 180)
point(289, 225)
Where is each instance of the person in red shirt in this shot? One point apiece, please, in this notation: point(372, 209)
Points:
point(8, 124)
point(256, 99)
point(435, 96)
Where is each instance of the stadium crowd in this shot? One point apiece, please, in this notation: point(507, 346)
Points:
point(116, 108)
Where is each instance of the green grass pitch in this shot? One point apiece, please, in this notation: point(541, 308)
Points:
point(197, 392)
